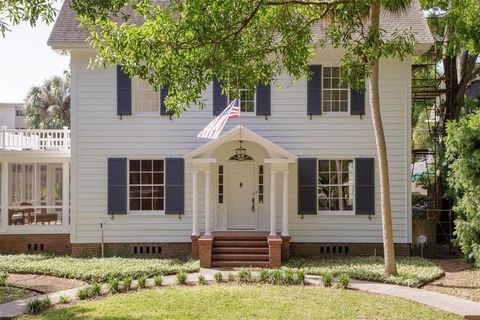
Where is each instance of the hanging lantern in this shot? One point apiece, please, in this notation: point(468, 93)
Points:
point(240, 152)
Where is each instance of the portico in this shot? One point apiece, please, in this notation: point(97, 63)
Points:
point(243, 176)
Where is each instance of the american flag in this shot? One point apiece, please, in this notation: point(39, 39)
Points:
point(213, 129)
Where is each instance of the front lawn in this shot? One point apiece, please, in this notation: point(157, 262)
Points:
point(93, 269)
point(247, 302)
point(412, 271)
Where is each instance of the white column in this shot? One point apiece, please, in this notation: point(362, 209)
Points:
point(65, 192)
point(195, 203)
point(273, 213)
point(207, 204)
point(285, 204)
point(4, 201)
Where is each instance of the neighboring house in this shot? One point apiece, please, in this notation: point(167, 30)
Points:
point(11, 115)
point(297, 174)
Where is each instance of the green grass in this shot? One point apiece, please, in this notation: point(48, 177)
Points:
point(93, 269)
point(247, 302)
point(412, 272)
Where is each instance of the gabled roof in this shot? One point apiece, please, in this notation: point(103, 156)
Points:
point(66, 33)
point(243, 133)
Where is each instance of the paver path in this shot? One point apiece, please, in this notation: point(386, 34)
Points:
point(466, 308)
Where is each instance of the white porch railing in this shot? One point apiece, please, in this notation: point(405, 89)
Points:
point(35, 139)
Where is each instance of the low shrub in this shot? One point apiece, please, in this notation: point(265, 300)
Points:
point(218, 277)
point(96, 289)
point(181, 278)
point(244, 276)
point(343, 281)
point(142, 282)
point(158, 280)
point(127, 283)
point(276, 277)
point(264, 276)
point(84, 293)
point(327, 279)
point(301, 277)
point(3, 279)
point(63, 299)
point(231, 277)
point(289, 277)
point(36, 306)
point(91, 291)
point(202, 280)
point(114, 285)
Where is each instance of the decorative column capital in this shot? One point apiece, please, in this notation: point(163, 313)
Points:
point(273, 171)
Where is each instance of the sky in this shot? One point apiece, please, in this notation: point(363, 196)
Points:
point(26, 60)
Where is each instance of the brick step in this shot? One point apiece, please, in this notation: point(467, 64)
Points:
point(240, 257)
point(240, 236)
point(246, 264)
point(239, 243)
point(240, 250)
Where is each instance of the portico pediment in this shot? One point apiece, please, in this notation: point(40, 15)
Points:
point(240, 133)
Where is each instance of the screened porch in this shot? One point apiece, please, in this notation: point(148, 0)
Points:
point(35, 194)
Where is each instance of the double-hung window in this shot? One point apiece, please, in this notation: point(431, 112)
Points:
point(335, 95)
point(335, 185)
point(146, 185)
point(145, 98)
point(247, 100)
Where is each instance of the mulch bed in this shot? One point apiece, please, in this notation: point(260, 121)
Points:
point(460, 280)
point(43, 284)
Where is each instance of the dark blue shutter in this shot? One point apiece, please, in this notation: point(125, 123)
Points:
point(314, 91)
point(307, 186)
point(263, 100)
point(163, 108)
point(357, 102)
point(219, 100)
point(364, 186)
point(174, 185)
point(117, 186)
point(124, 93)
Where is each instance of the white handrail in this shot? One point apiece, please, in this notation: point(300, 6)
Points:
point(35, 139)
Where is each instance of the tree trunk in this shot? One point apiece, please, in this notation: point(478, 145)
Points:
point(388, 245)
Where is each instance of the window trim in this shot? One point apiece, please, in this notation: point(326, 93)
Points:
point(334, 113)
point(246, 113)
point(144, 113)
point(335, 212)
point(145, 212)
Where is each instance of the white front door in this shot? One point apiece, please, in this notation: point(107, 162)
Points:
point(241, 208)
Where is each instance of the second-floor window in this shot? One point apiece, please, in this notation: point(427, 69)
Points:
point(145, 98)
point(247, 100)
point(335, 95)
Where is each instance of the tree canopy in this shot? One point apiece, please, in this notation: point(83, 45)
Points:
point(48, 106)
point(13, 12)
point(463, 155)
point(186, 44)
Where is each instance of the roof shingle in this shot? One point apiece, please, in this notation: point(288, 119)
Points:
point(67, 34)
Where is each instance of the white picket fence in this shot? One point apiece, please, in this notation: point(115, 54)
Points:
point(35, 139)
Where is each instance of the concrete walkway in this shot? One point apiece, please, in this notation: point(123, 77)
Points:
point(465, 308)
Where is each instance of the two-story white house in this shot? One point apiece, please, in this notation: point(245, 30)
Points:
point(295, 174)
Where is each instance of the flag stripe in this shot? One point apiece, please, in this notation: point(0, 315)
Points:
point(215, 127)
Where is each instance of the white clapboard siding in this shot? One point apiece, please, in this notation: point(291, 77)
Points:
point(99, 134)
